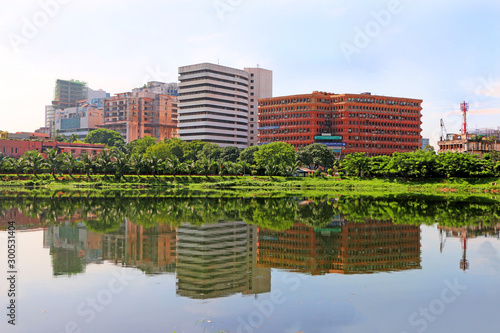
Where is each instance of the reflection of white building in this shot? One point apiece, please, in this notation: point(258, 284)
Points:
point(217, 260)
point(78, 120)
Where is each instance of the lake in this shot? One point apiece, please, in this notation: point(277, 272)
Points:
point(341, 263)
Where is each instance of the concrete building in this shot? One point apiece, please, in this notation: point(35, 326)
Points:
point(347, 123)
point(143, 113)
point(96, 97)
point(50, 119)
point(424, 142)
point(214, 104)
point(68, 92)
point(78, 120)
point(469, 144)
point(171, 89)
point(261, 86)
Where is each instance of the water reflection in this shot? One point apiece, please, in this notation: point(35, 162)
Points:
point(219, 247)
point(346, 248)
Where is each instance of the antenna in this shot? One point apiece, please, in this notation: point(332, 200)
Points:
point(464, 107)
point(444, 135)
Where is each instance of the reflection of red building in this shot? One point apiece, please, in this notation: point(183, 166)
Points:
point(150, 249)
point(347, 123)
point(355, 248)
point(22, 221)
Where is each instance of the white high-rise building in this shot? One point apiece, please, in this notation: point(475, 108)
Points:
point(260, 86)
point(214, 104)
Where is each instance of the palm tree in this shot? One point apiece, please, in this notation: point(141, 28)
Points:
point(104, 163)
point(69, 162)
point(121, 164)
point(73, 138)
point(18, 165)
point(88, 165)
point(154, 163)
point(53, 162)
point(35, 162)
point(172, 165)
point(137, 162)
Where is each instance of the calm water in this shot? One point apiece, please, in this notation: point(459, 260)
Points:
point(339, 264)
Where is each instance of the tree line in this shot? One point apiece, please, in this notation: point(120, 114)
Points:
point(107, 213)
point(146, 156)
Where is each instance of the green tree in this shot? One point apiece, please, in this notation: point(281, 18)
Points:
point(69, 163)
point(247, 155)
point(53, 162)
point(161, 150)
point(106, 137)
point(230, 154)
point(34, 162)
point(140, 146)
point(73, 138)
point(316, 155)
point(275, 157)
point(210, 151)
point(355, 164)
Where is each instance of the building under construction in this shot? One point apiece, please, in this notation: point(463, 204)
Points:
point(138, 114)
point(478, 142)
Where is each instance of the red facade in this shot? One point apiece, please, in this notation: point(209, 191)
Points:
point(347, 123)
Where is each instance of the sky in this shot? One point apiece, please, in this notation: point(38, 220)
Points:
point(443, 52)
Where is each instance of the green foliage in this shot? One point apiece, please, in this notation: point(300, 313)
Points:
point(247, 155)
point(105, 136)
point(316, 155)
point(275, 157)
point(210, 151)
point(355, 164)
point(139, 146)
point(230, 154)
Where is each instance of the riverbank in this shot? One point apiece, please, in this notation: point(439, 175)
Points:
point(249, 185)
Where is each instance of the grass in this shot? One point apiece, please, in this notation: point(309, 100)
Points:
point(244, 186)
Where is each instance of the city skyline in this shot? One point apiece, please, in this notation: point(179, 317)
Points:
point(443, 53)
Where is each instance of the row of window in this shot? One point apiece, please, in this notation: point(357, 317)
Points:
point(232, 95)
point(203, 99)
point(212, 120)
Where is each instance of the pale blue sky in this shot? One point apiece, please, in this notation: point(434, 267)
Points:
point(440, 51)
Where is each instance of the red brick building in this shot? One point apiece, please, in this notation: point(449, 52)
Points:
point(376, 125)
point(16, 148)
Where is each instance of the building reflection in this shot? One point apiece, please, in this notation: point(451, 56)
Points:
point(464, 234)
point(151, 249)
point(342, 247)
point(220, 259)
point(226, 258)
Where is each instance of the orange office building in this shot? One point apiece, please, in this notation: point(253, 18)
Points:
point(347, 123)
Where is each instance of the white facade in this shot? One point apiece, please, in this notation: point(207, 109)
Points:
point(50, 119)
point(213, 104)
point(260, 86)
